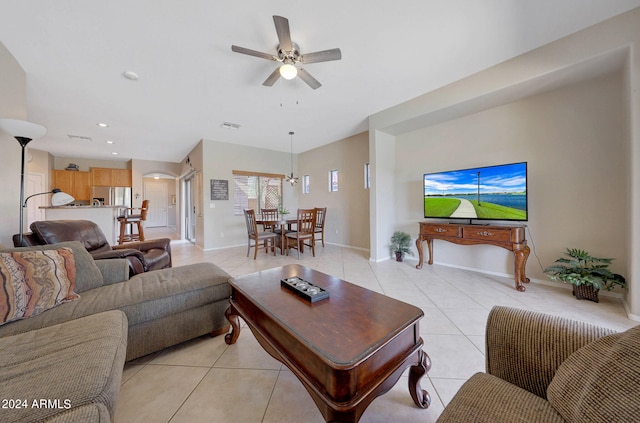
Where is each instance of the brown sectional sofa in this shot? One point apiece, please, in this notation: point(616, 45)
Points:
point(158, 308)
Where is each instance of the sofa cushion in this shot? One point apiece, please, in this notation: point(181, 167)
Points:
point(35, 281)
point(488, 399)
point(88, 275)
point(144, 297)
point(600, 382)
point(73, 364)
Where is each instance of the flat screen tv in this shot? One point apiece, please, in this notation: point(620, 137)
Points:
point(482, 193)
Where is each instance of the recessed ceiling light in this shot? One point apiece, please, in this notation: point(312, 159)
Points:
point(114, 153)
point(102, 125)
point(132, 76)
point(109, 142)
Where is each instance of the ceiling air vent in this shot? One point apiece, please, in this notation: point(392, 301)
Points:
point(229, 125)
point(78, 138)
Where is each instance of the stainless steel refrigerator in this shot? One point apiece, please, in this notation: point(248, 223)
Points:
point(112, 196)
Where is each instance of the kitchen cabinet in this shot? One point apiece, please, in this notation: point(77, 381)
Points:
point(120, 177)
point(75, 183)
point(107, 177)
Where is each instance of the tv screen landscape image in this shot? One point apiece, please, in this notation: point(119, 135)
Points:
point(482, 193)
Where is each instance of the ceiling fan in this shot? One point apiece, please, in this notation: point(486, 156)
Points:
point(288, 53)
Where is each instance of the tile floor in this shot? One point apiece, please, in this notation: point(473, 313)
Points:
point(205, 380)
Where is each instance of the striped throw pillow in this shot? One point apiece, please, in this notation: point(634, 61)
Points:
point(34, 281)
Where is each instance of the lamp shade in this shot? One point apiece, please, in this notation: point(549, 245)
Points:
point(61, 199)
point(22, 128)
point(288, 71)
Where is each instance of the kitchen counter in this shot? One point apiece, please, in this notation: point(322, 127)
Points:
point(106, 217)
point(82, 207)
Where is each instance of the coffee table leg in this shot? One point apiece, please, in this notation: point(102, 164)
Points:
point(419, 395)
point(232, 336)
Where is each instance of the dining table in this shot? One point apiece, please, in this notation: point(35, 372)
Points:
point(283, 223)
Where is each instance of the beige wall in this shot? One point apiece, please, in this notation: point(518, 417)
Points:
point(347, 221)
point(140, 168)
point(595, 144)
point(13, 104)
point(218, 227)
point(576, 147)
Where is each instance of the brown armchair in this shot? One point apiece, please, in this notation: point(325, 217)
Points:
point(544, 368)
point(143, 255)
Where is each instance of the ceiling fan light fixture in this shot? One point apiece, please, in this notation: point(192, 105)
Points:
point(288, 71)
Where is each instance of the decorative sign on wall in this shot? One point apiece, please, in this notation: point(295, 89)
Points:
point(219, 189)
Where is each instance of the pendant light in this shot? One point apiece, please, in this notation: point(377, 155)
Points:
point(290, 178)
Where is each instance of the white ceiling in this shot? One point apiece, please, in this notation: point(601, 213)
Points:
point(74, 53)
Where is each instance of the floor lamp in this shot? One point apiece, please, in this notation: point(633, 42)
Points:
point(24, 132)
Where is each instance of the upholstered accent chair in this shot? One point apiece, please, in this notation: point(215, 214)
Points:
point(543, 368)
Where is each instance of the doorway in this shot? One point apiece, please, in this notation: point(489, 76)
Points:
point(190, 207)
point(158, 194)
point(35, 185)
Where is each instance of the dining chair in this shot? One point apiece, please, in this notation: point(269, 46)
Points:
point(269, 219)
point(257, 237)
point(305, 232)
point(130, 218)
point(321, 213)
point(269, 216)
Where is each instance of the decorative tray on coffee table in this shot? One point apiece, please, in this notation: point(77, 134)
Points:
point(305, 289)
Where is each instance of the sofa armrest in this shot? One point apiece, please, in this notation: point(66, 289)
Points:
point(114, 270)
point(526, 348)
point(161, 243)
point(137, 263)
point(148, 245)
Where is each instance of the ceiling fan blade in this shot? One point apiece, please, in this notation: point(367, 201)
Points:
point(271, 79)
point(255, 53)
point(284, 35)
point(321, 56)
point(310, 80)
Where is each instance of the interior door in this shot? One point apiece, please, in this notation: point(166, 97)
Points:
point(189, 209)
point(35, 185)
point(157, 193)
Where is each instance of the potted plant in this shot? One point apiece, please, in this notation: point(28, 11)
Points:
point(586, 273)
point(400, 243)
point(283, 211)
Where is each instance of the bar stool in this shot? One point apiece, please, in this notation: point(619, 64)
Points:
point(131, 219)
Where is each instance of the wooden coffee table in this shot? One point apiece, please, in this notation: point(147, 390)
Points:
point(346, 350)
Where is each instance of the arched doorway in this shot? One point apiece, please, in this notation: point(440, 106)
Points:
point(160, 190)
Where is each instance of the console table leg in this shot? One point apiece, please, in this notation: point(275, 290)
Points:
point(419, 395)
point(233, 319)
point(520, 263)
point(525, 279)
point(420, 256)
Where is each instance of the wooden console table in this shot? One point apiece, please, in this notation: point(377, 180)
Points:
point(511, 238)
